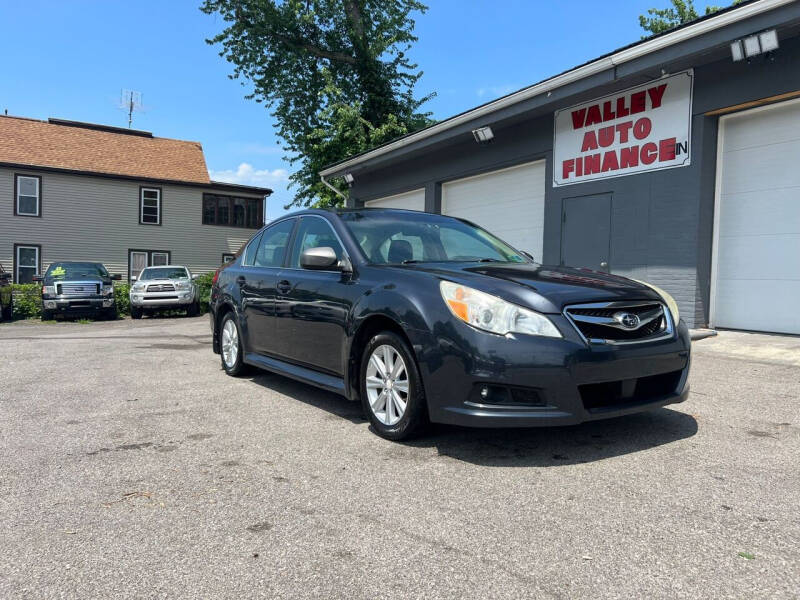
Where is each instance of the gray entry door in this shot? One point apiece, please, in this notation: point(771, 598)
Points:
point(586, 232)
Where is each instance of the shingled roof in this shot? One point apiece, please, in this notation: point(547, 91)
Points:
point(60, 144)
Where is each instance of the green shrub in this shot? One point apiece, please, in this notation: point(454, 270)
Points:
point(122, 299)
point(203, 283)
point(27, 300)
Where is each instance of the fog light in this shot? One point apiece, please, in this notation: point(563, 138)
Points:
point(108, 302)
point(50, 304)
point(484, 392)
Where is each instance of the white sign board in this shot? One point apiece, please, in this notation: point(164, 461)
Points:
point(646, 128)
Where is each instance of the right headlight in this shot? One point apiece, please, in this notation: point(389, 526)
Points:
point(668, 300)
point(493, 314)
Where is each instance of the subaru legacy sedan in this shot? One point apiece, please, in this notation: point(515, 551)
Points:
point(428, 318)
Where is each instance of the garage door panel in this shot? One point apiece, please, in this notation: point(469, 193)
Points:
point(509, 203)
point(775, 125)
point(760, 257)
point(413, 200)
point(758, 212)
point(758, 305)
point(767, 167)
point(757, 262)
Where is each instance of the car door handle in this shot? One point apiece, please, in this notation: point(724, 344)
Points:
point(284, 286)
point(604, 264)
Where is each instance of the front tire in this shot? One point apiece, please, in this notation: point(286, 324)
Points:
point(231, 351)
point(136, 313)
point(47, 315)
point(193, 310)
point(391, 388)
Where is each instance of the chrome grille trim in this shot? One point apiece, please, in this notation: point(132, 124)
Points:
point(77, 289)
point(160, 287)
point(646, 317)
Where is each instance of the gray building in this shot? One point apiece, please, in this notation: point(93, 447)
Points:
point(85, 192)
point(673, 160)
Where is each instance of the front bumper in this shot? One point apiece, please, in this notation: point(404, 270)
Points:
point(176, 299)
point(72, 305)
point(534, 382)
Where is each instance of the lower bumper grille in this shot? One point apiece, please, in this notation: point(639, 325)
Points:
point(615, 393)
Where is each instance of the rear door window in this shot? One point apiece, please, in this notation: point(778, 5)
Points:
point(272, 246)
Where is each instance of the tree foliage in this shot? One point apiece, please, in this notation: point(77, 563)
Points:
point(682, 11)
point(334, 72)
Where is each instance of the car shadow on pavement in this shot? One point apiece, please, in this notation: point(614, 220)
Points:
point(308, 394)
point(532, 447)
point(556, 446)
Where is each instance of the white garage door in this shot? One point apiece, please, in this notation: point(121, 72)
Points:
point(413, 200)
point(757, 254)
point(508, 203)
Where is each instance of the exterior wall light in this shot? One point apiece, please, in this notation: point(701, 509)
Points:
point(348, 177)
point(753, 45)
point(483, 135)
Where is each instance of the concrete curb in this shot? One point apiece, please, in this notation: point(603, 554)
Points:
point(701, 334)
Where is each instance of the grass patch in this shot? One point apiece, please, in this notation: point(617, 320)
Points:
point(85, 321)
point(747, 555)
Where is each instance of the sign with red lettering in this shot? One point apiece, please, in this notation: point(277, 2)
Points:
point(646, 128)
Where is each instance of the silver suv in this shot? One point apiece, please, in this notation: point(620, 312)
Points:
point(163, 288)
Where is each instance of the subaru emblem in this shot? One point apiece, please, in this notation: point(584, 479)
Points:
point(628, 320)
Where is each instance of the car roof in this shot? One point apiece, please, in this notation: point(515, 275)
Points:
point(167, 267)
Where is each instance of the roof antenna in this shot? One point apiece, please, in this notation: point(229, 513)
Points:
point(131, 101)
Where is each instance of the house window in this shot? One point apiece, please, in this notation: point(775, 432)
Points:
point(27, 262)
point(150, 206)
point(28, 195)
point(227, 257)
point(233, 211)
point(138, 260)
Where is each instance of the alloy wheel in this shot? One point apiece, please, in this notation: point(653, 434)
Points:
point(230, 343)
point(387, 384)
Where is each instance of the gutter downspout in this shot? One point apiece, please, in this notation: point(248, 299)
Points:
point(332, 188)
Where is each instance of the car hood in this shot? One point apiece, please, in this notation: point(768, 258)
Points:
point(86, 279)
point(542, 287)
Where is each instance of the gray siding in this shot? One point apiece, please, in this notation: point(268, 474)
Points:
point(97, 219)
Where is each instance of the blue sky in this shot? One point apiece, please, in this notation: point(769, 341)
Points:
point(71, 59)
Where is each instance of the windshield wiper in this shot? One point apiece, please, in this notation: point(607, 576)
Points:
point(491, 260)
point(410, 261)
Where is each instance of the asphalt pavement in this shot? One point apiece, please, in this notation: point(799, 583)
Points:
point(133, 467)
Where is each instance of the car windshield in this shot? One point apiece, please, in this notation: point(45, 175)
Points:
point(164, 273)
point(76, 270)
point(401, 237)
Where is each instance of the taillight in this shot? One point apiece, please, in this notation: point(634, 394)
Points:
point(216, 276)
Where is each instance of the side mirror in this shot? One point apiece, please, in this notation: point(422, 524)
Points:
point(133, 277)
point(528, 255)
point(323, 257)
point(4, 276)
point(38, 278)
point(116, 277)
point(195, 276)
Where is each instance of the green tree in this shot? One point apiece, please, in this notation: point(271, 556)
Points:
point(334, 73)
point(663, 19)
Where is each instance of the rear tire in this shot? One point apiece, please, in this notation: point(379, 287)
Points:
point(136, 313)
point(231, 351)
point(391, 394)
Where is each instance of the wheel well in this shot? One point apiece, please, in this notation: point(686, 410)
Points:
point(221, 312)
point(371, 326)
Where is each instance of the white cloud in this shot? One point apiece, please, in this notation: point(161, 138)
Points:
point(246, 174)
point(495, 91)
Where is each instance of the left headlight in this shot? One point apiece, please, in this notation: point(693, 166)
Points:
point(183, 285)
point(108, 290)
point(493, 314)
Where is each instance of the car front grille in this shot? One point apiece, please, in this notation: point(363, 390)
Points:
point(161, 287)
point(620, 322)
point(77, 289)
point(612, 394)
